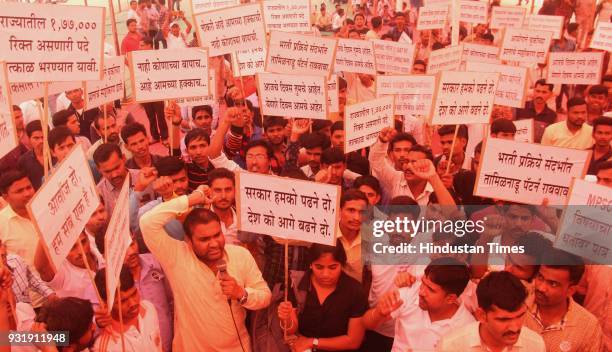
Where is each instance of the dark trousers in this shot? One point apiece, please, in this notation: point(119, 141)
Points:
point(159, 38)
point(157, 122)
point(375, 342)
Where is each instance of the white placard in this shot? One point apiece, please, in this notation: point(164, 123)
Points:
point(287, 15)
point(363, 122)
point(288, 208)
point(480, 53)
point(471, 11)
point(292, 95)
point(232, 29)
point(432, 17)
point(507, 17)
point(63, 205)
point(436, 2)
point(464, 98)
point(300, 54)
point(525, 45)
point(355, 55)
point(8, 134)
point(24, 91)
point(48, 42)
point(250, 62)
point(393, 57)
point(110, 88)
point(586, 222)
point(575, 68)
point(169, 74)
point(512, 85)
point(413, 93)
point(198, 6)
point(602, 38)
point(117, 240)
point(333, 88)
point(552, 24)
point(528, 173)
point(447, 59)
point(524, 130)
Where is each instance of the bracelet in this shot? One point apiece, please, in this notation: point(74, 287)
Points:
point(285, 327)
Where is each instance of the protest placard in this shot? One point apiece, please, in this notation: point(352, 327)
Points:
point(8, 135)
point(117, 240)
point(475, 12)
point(585, 226)
point(507, 17)
point(49, 42)
point(250, 61)
point(363, 122)
point(575, 68)
point(63, 205)
point(332, 94)
point(393, 57)
point(548, 23)
point(300, 54)
point(432, 17)
point(110, 88)
point(525, 45)
point(210, 100)
point(292, 95)
point(447, 59)
point(198, 6)
point(524, 130)
point(602, 38)
point(435, 2)
point(24, 91)
point(480, 53)
point(413, 93)
point(232, 29)
point(355, 55)
point(287, 15)
point(512, 84)
point(528, 173)
point(288, 208)
point(169, 74)
point(464, 98)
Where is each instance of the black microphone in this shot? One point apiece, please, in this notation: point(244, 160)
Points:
point(222, 269)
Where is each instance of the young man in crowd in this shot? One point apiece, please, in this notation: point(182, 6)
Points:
point(137, 143)
point(537, 108)
point(69, 119)
point(602, 136)
point(573, 132)
point(32, 161)
point(61, 140)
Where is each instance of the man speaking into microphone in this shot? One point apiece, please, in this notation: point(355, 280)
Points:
point(205, 275)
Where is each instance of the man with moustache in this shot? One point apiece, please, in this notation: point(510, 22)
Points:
point(537, 108)
point(223, 187)
point(107, 128)
point(597, 102)
point(573, 132)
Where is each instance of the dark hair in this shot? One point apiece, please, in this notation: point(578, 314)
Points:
point(404, 204)
point(607, 78)
point(352, 194)
point(32, 127)
point(99, 117)
point(604, 166)
point(195, 134)
point(502, 126)
point(573, 264)
point(501, 289)
point(419, 62)
point(259, 143)
point(126, 281)
point(602, 121)
point(575, 101)
point(572, 27)
point(271, 121)
point(293, 172)
point(61, 117)
point(399, 14)
point(417, 148)
point(478, 148)
point(449, 273)
point(358, 15)
point(332, 155)
point(199, 216)
point(368, 180)
point(105, 151)
point(376, 21)
point(598, 89)
point(532, 209)
point(535, 246)
point(401, 137)
point(315, 140)
point(132, 129)
point(386, 36)
point(169, 165)
point(337, 126)
point(488, 36)
point(59, 135)
point(9, 177)
point(207, 108)
point(450, 129)
point(146, 40)
point(542, 82)
point(342, 83)
point(70, 314)
point(131, 19)
point(318, 125)
point(437, 46)
point(317, 250)
point(221, 173)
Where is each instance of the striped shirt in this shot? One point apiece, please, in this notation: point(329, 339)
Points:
point(198, 175)
point(25, 279)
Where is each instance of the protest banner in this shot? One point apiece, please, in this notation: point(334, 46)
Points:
point(292, 95)
point(24, 91)
point(512, 84)
point(435, 2)
point(480, 53)
point(525, 45)
point(602, 38)
point(475, 12)
point(575, 68)
point(300, 54)
point(507, 17)
point(210, 100)
point(413, 93)
point(432, 17)
point(585, 224)
point(63, 205)
point(528, 173)
point(548, 23)
point(365, 120)
point(393, 57)
point(198, 6)
point(287, 208)
point(332, 94)
point(168, 74)
point(249, 62)
point(8, 134)
point(525, 130)
point(49, 42)
point(117, 240)
point(355, 55)
point(287, 15)
point(464, 98)
point(110, 88)
point(231, 29)
point(447, 59)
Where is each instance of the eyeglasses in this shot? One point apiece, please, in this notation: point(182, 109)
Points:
point(258, 157)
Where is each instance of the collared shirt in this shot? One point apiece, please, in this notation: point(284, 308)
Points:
point(468, 339)
point(230, 232)
point(547, 115)
point(92, 149)
point(18, 234)
point(111, 194)
point(131, 42)
point(131, 163)
point(24, 279)
point(598, 298)
point(578, 330)
point(559, 135)
point(354, 264)
point(202, 318)
point(71, 281)
point(29, 164)
point(198, 175)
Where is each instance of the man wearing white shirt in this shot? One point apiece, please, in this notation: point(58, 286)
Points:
point(222, 184)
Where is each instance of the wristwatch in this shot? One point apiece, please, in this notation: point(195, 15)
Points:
point(244, 298)
point(315, 344)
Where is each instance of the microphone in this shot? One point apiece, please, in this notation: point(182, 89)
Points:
point(222, 269)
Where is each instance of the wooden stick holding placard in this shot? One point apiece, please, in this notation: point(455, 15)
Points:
point(105, 123)
point(11, 298)
point(286, 281)
point(111, 9)
point(45, 128)
point(89, 273)
point(450, 154)
point(120, 315)
point(168, 103)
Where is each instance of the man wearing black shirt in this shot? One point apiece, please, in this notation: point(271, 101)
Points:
point(602, 135)
point(31, 162)
point(86, 117)
point(537, 108)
